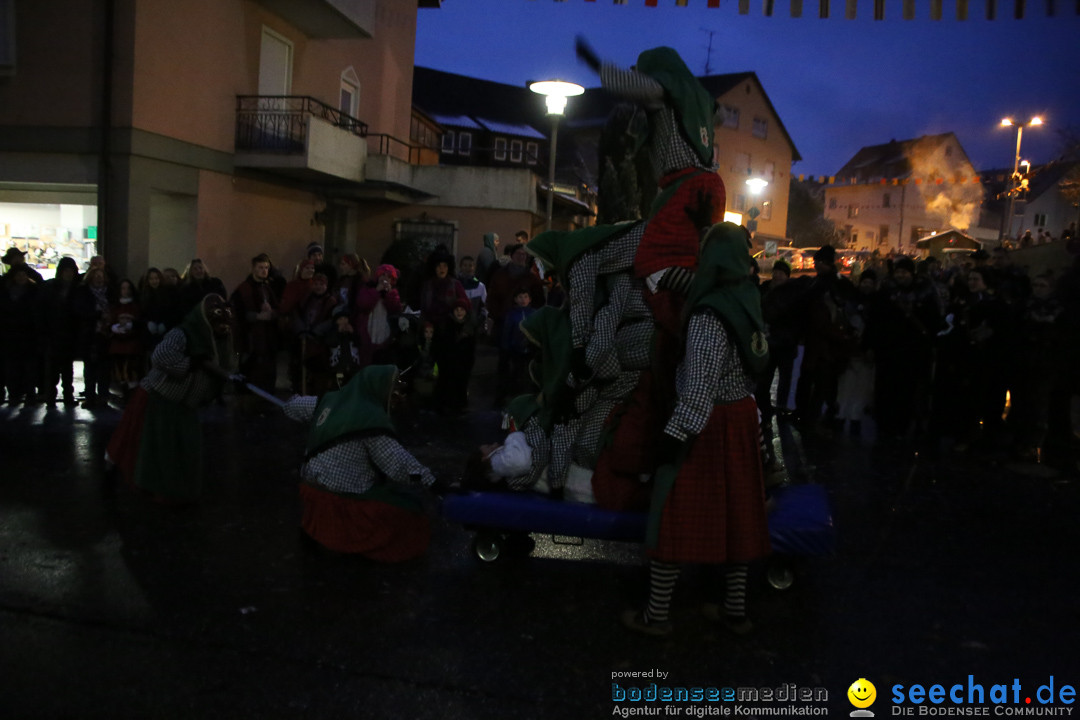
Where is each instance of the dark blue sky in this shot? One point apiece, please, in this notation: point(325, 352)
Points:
point(837, 84)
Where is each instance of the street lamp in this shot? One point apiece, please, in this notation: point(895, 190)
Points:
point(1008, 122)
point(555, 93)
point(756, 185)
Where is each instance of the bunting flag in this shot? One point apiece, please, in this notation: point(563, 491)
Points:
point(935, 7)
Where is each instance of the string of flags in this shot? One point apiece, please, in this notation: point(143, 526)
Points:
point(965, 9)
point(832, 180)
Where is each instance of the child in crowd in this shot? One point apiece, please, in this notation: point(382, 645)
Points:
point(518, 349)
point(455, 353)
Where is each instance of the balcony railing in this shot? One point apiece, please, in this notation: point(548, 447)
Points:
point(382, 144)
point(278, 123)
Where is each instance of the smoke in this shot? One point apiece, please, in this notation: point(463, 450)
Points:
point(954, 203)
point(956, 209)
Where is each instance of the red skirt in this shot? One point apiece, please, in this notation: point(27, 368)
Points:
point(671, 238)
point(123, 449)
point(715, 512)
point(371, 528)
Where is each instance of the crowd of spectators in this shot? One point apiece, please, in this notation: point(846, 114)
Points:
point(978, 353)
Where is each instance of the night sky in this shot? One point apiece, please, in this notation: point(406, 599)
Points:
point(837, 84)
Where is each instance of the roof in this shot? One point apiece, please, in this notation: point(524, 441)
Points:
point(440, 93)
point(895, 159)
point(511, 129)
point(455, 121)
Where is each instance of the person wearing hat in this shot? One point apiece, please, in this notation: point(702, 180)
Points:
point(316, 255)
point(15, 258)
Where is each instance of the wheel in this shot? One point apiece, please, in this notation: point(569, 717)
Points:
point(488, 546)
point(780, 574)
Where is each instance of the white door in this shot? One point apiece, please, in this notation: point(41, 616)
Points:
point(275, 64)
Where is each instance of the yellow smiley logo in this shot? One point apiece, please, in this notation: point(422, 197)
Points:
point(862, 693)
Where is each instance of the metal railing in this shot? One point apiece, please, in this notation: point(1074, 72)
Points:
point(278, 123)
point(382, 144)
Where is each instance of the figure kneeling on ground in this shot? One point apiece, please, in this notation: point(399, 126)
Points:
point(356, 477)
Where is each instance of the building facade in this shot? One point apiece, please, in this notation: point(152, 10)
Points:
point(888, 197)
point(209, 128)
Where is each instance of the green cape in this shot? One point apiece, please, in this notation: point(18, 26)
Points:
point(521, 409)
point(693, 105)
point(722, 284)
point(358, 407)
point(549, 329)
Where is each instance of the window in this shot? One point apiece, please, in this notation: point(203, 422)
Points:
point(883, 235)
point(886, 200)
point(853, 211)
point(532, 152)
point(832, 203)
point(770, 171)
point(742, 164)
point(349, 102)
point(449, 142)
point(1040, 220)
point(740, 203)
point(948, 151)
point(766, 210)
point(464, 143)
point(760, 128)
point(515, 151)
point(731, 116)
point(500, 148)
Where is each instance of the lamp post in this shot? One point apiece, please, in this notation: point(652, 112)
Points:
point(1006, 225)
point(755, 185)
point(555, 93)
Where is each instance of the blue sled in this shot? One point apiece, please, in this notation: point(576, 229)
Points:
point(800, 523)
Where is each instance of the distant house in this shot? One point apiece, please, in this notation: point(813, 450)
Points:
point(497, 126)
point(889, 196)
point(950, 241)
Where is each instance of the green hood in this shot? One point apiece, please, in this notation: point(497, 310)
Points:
point(558, 249)
point(723, 284)
point(694, 107)
point(360, 406)
point(202, 344)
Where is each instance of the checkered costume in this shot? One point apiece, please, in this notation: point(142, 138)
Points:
point(715, 512)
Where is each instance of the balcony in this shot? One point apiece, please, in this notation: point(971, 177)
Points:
point(300, 137)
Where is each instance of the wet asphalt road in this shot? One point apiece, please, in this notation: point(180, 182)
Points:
point(112, 607)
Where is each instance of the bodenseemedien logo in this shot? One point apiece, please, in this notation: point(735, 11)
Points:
point(862, 694)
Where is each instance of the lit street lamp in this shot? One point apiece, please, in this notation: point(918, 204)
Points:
point(1006, 225)
point(555, 93)
point(756, 185)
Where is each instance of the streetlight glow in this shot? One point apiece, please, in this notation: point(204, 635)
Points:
point(1017, 186)
point(555, 93)
point(756, 185)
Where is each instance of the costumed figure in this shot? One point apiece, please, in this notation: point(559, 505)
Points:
point(158, 445)
point(353, 483)
point(708, 499)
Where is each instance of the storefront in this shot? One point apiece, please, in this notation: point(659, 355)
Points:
point(48, 232)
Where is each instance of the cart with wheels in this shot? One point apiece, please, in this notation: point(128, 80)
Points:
point(800, 524)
